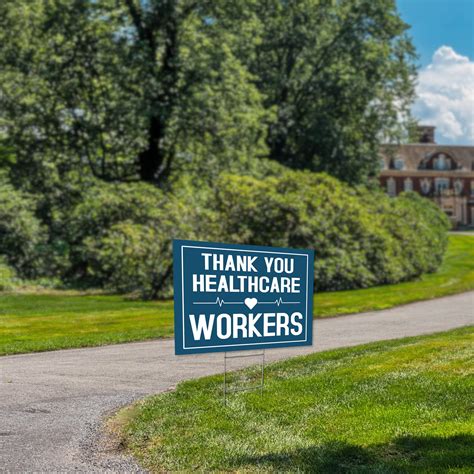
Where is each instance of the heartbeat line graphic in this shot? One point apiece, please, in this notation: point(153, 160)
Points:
point(220, 302)
point(278, 302)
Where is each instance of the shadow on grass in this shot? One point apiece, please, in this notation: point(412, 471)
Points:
point(405, 454)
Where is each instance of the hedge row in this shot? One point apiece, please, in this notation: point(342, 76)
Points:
point(119, 236)
point(361, 238)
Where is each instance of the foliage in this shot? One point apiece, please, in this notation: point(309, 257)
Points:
point(136, 257)
point(121, 234)
point(118, 236)
point(21, 234)
point(392, 406)
point(7, 276)
point(339, 76)
point(135, 90)
point(118, 119)
point(119, 89)
point(417, 226)
point(361, 239)
point(37, 320)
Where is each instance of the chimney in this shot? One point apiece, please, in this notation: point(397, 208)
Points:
point(425, 133)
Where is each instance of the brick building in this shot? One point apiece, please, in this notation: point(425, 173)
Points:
point(442, 173)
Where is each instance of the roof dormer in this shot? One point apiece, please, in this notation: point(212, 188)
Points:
point(439, 161)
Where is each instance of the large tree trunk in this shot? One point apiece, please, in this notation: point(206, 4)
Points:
point(151, 160)
point(154, 162)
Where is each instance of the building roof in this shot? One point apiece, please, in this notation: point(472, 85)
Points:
point(414, 153)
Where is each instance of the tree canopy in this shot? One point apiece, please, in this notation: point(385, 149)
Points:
point(339, 74)
point(134, 90)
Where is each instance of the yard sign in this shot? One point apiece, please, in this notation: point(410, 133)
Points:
point(237, 297)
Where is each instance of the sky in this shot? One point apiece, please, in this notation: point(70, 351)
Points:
point(443, 34)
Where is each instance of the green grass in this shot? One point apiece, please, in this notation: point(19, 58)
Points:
point(37, 321)
point(398, 406)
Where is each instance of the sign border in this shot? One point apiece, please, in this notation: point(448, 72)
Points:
point(178, 266)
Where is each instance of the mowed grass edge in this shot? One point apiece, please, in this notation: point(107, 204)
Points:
point(57, 320)
point(397, 406)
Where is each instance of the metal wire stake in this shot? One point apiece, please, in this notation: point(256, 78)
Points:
point(253, 387)
point(225, 378)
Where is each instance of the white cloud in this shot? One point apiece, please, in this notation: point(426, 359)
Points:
point(446, 97)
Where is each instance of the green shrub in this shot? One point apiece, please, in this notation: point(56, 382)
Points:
point(360, 238)
point(102, 207)
point(21, 235)
point(416, 229)
point(122, 236)
point(8, 278)
point(430, 225)
point(134, 257)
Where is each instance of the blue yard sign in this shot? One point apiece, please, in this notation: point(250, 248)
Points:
point(237, 297)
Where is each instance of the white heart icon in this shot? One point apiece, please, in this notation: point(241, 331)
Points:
point(250, 302)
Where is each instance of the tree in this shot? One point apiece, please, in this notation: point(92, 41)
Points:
point(129, 90)
point(340, 75)
point(119, 89)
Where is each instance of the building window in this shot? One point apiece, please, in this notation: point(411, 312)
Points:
point(441, 184)
point(382, 164)
point(440, 162)
point(425, 185)
point(472, 191)
point(408, 184)
point(391, 187)
point(399, 163)
point(458, 186)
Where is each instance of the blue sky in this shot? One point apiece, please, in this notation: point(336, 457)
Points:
point(435, 23)
point(443, 33)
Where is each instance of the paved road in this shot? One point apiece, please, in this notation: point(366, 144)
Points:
point(52, 404)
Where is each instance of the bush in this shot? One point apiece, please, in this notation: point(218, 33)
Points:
point(416, 229)
point(8, 278)
point(134, 257)
point(122, 236)
point(21, 235)
point(102, 207)
point(360, 238)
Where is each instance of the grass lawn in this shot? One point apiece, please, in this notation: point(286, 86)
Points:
point(398, 406)
point(37, 321)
